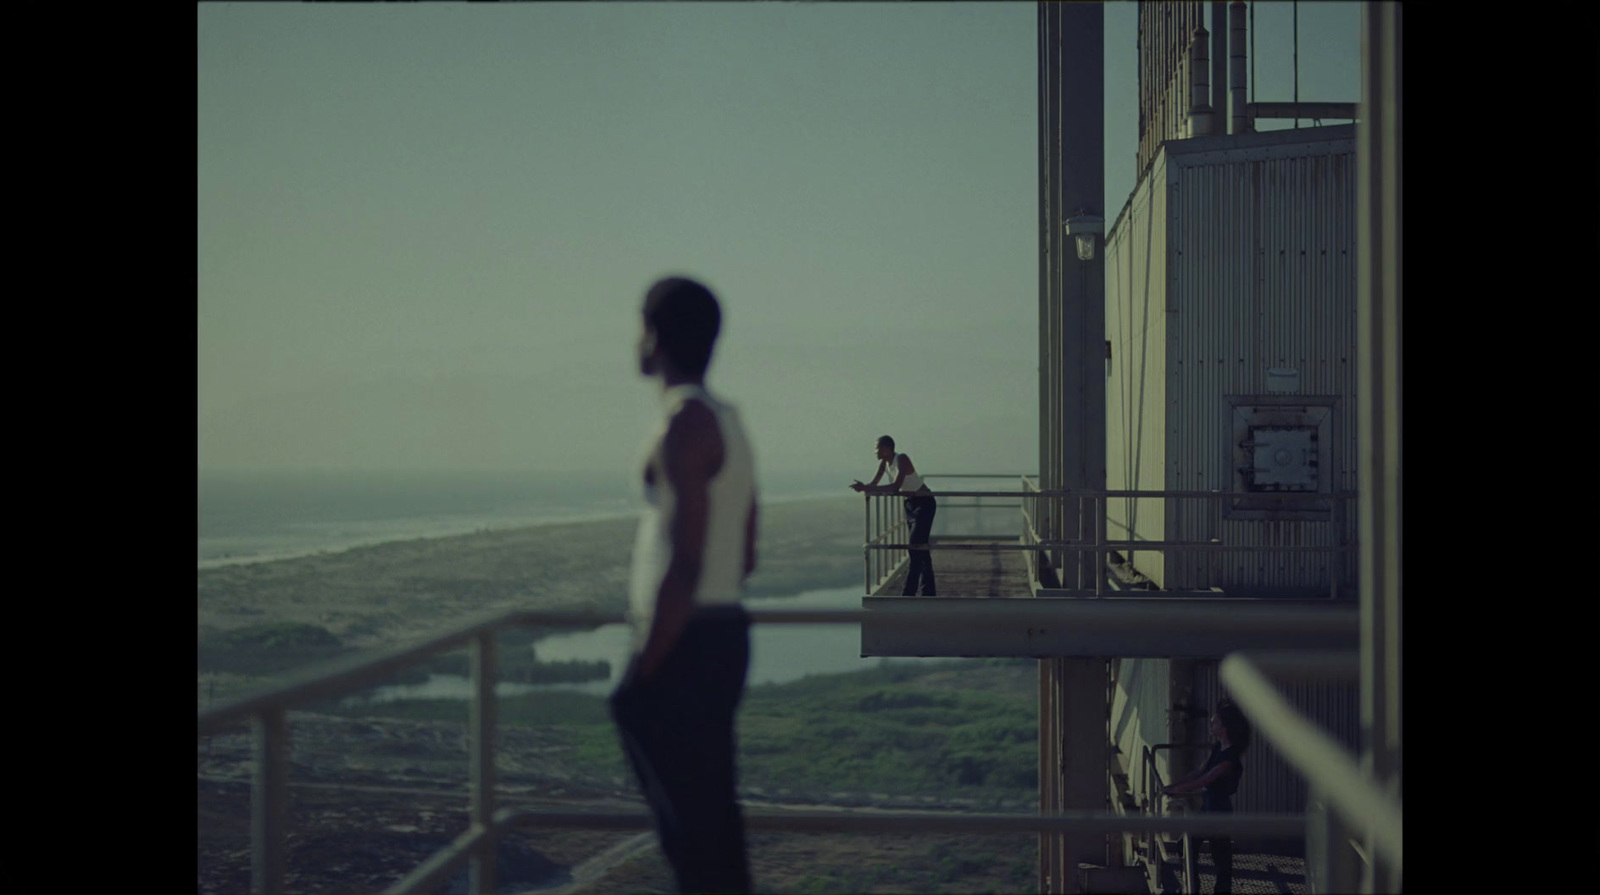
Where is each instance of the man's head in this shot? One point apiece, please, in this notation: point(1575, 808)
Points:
point(885, 448)
point(681, 321)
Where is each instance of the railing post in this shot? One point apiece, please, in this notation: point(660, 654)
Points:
point(867, 539)
point(481, 866)
point(1191, 879)
point(268, 836)
point(1330, 862)
point(1099, 538)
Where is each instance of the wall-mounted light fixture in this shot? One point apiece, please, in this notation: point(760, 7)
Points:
point(1085, 228)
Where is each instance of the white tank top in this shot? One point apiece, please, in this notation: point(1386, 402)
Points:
point(913, 481)
point(731, 491)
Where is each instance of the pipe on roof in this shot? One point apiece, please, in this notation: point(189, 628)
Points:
point(1239, 123)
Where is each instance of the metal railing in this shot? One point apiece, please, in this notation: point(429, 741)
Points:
point(879, 533)
point(1155, 801)
point(1344, 803)
point(885, 519)
point(267, 712)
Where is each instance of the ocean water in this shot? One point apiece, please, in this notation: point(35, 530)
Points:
point(257, 516)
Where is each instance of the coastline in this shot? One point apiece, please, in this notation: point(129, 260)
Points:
point(436, 532)
point(394, 591)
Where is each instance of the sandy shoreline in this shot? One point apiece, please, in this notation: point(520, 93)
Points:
point(390, 593)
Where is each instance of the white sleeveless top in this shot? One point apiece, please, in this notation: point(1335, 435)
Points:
point(731, 491)
point(913, 481)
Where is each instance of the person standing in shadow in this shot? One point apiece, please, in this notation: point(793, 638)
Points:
point(1219, 778)
point(903, 478)
point(676, 704)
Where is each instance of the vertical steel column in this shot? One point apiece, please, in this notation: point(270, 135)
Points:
point(481, 866)
point(1081, 297)
point(1379, 228)
point(268, 808)
point(1072, 387)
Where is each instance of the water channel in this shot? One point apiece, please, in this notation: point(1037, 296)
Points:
point(778, 653)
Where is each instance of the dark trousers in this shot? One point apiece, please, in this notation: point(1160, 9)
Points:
point(677, 731)
point(1222, 856)
point(1221, 846)
point(919, 512)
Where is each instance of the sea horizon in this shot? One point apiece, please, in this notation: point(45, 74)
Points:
point(263, 515)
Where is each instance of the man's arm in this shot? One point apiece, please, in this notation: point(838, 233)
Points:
point(691, 453)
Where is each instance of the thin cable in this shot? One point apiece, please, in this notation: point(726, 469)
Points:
point(1297, 64)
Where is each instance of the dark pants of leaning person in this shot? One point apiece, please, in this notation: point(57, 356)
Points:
point(677, 731)
point(1221, 847)
point(919, 513)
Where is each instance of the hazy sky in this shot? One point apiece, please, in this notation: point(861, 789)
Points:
point(425, 229)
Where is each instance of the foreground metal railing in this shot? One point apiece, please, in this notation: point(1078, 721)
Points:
point(886, 520)
point(1345, 806)
point(267, 712)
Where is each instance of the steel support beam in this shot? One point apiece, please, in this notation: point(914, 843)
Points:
point(1379, 276)
point(1133, 627)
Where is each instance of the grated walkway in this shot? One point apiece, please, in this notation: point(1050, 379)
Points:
point(970, 573)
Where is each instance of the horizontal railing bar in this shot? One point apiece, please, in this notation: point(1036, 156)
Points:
point(975, 475)
point(1089, 822)
point(1322, 761)
point(1129, 545)
point(343, 676)
point(1185, 495)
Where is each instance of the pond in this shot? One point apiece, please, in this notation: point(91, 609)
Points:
point(778, 653)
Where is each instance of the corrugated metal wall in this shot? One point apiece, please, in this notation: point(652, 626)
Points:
point(1261, 274)
point(1136, 390)
point(1270, 785)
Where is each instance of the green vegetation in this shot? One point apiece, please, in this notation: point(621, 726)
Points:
point(882, 730)
point(267, 649)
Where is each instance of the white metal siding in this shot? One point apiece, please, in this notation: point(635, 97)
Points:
point(1136, 326)
point(1262, 274)
point(1139, 713)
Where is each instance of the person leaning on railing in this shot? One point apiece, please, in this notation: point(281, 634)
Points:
point(1219, 779)
point(919, 511)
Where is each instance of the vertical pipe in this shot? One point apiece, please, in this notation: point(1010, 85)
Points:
point(269, 790)
point(1200, 112)
point(1219, 68)
point(1236, 97)
point(481, 866)
point(1296, 5)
